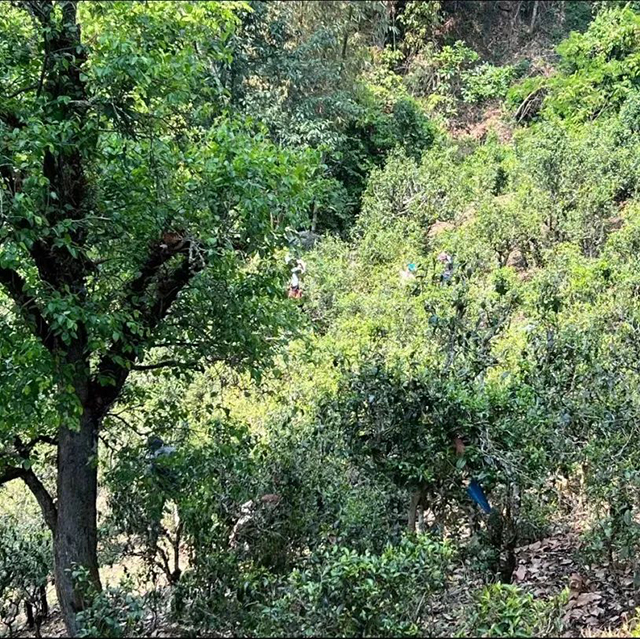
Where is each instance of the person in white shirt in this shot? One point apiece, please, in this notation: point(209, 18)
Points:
point(294, 284)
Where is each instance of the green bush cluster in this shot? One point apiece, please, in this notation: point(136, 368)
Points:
point(505, 611)
point(598, 69)
point(113, 612)
point(26, 556)
point(338, 591)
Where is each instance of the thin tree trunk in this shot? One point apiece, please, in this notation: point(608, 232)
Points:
point(176, 544)
point(345, 37)
point(44, 604)
point(421, 509)
point(533, 16)
point(345, 41)
point(413, 507)
point(43, 611)
point(75, 538)
point(28, 611)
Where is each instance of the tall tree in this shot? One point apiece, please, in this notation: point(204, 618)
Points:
point(136, 220)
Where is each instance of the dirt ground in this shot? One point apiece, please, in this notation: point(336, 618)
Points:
point(601, 602)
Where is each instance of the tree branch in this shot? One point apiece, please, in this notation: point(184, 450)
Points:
point(10, 473)
point(130, 426)
point(116, 364)
point(16, 287)
point(41, 10)
point(160, 255)
point(40, 439)
point(164, 364)
point(18, 92)
point(44, 499)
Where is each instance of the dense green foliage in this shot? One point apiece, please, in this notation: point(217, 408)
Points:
point(25, 565)
point(467, 315)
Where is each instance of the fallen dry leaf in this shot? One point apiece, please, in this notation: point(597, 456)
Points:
point(520, 573)
point(586, 598)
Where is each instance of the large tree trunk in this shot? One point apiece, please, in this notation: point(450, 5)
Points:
point(75, 538)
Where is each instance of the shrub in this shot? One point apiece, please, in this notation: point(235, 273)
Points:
point(486, 82)
point(26, 561)
point(114, 612)
point(598, 70)
point(505, 611)
point(339, 591)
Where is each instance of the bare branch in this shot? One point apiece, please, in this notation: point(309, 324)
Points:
point(15, 94)
point(165, 364)
point(44, 499)
point(10, 473)
point(40, 439)
point(129, 425)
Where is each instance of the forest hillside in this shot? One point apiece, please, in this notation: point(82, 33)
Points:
point(320, 318)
